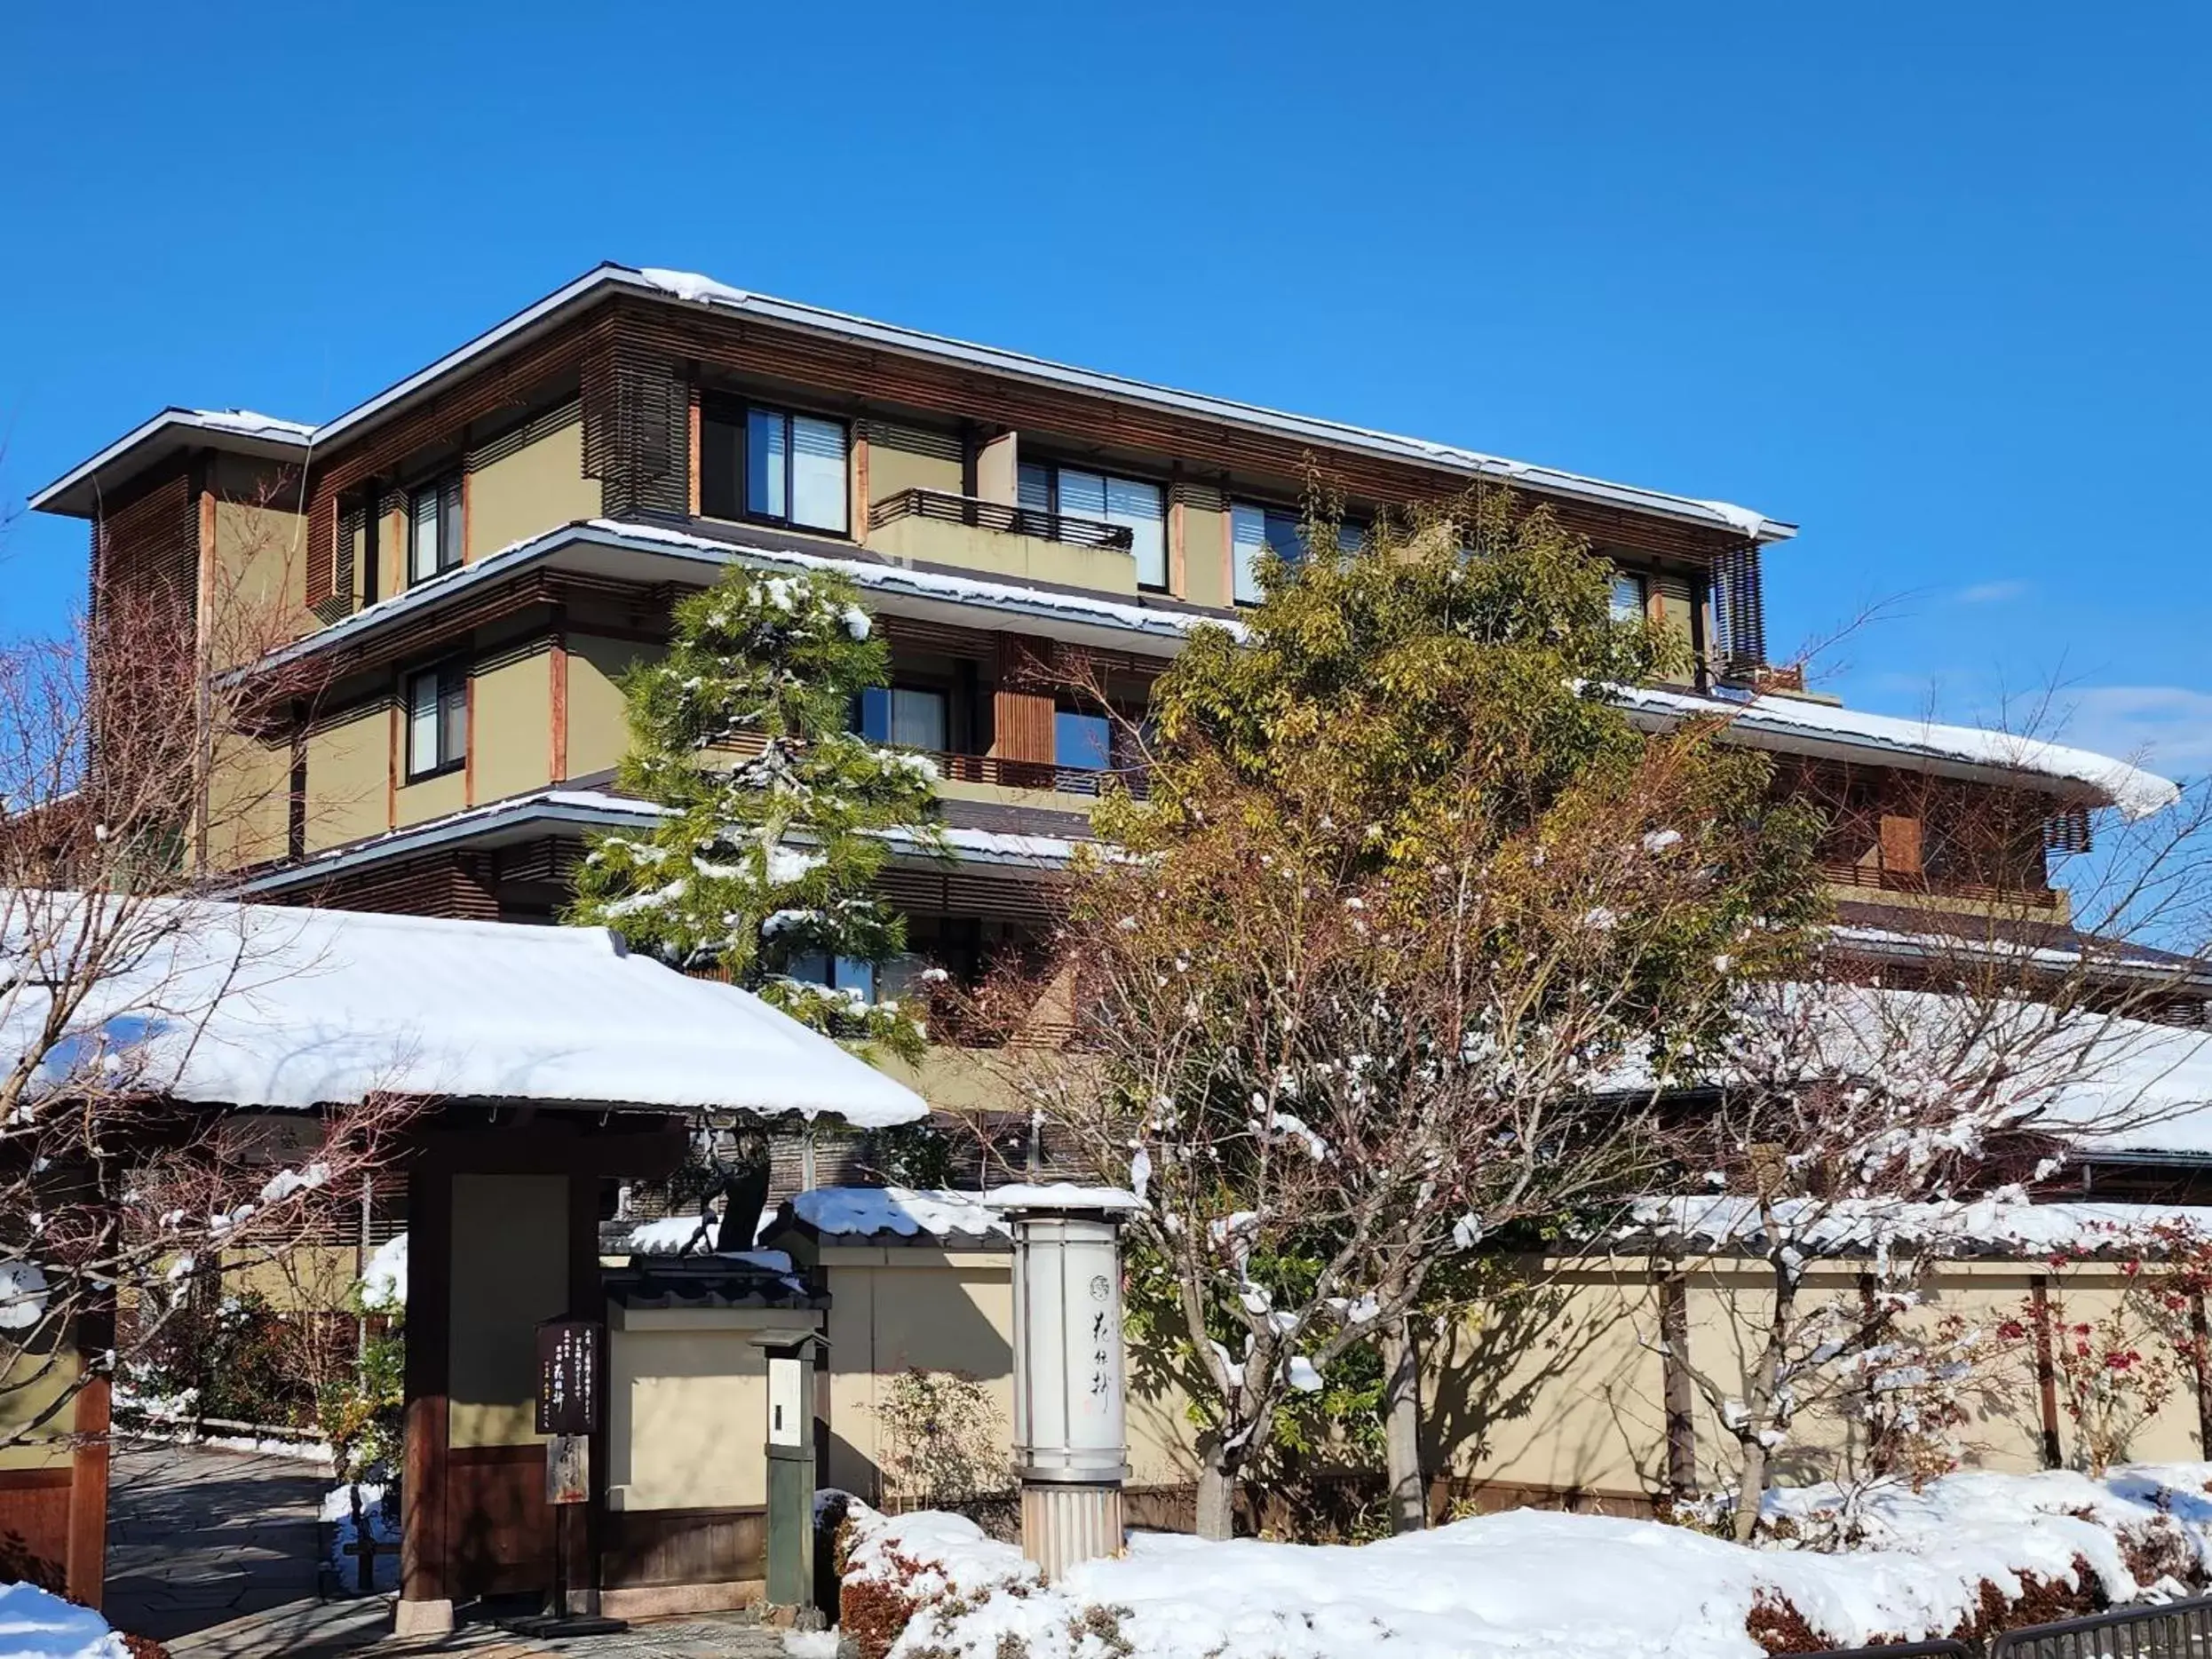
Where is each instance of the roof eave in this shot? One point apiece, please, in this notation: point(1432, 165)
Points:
point(78, 492)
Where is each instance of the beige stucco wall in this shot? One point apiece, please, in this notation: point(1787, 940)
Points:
point(917, 1307)
point(1205, 555)
point(530, 488)
point(512, 730)
point(349, 765)
point(430, 797)
point(510, 1271)
point(259, 595)
point(248, 801)
point(30, 1382)
point(893, 465)
point(999, 553)
point(688, 1406)
point(597, 730)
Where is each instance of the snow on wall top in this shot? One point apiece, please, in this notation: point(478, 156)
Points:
point(862, 1212)
point(268, 1005)
point(1063, 1195)
point(2136, 792)
point(2003, 1225)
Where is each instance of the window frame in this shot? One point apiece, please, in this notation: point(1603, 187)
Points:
point(451, 501)
point(732, 410)
point(1642, 611)
point(1269, 510)
point(451, 678)
point(1052, 467)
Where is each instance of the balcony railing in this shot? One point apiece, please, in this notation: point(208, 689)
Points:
point(1035, 774)
point(999, 515)
point(1842, 873)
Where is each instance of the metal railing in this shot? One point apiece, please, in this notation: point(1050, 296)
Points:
point(1945, 1648)
point(999, 515)
point(2178, 1629)
point(1035, 774)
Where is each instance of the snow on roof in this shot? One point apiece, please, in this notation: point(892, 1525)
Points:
point(1062, 1195)
point(702, 290)
point(2003, 1225)
point(1811, 724)
point(868, 1212)
point(164, 432)
point(268, 1005)
point(600, 810)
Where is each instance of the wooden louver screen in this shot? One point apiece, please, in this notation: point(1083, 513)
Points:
point(1739, 612)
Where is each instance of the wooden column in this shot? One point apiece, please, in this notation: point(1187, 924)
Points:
point(426, 1553)
point(85, 1570)
point(1680, 1392)
point(2046, 1368)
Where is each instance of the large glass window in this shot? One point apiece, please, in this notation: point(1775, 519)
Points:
point(436, 719)
point(1253, 527)
point(434, 529)
point(1081, 742)
point(912, 716)
point(839, 973)
point(775, 466)
point(1131, 503)
point(1627, 596)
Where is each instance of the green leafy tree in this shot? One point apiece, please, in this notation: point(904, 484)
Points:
point(1400, 955)
point(777, 817)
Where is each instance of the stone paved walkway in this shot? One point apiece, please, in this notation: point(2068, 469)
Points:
point(196, 1538)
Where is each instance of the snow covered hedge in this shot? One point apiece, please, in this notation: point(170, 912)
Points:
point(36, 1625)
point(1971, 1554)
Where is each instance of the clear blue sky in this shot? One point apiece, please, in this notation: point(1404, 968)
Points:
point(1928, 280)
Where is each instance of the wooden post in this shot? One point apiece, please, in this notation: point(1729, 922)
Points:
point(1679, 1391)
point(85, 1569)
point(2200, 1335)
point(425, 1605)
point(2046, 1367)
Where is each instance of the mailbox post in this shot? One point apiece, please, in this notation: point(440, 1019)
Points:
point(1071, 1442)
point(791, 1359)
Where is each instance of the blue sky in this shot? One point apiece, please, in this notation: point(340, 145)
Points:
point(1929, 281)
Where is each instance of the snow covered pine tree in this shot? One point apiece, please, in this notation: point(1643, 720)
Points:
point(777, 814)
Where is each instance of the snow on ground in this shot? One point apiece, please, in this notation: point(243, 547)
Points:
point(1531, 1582)
point(36, 1626)
point(384, 1529)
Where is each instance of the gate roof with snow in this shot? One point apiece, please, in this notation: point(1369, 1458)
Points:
point(216, 1003)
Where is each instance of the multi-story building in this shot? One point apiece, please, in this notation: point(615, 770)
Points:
point(464, 563)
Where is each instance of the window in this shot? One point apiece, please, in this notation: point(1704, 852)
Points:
point(1127, 503)
point(436, 720)
point(1252, 527)
point(1081, 742)
point(838, 973)
point(434, 529)
point(912, 716)
point(1627, 596)
point(773, 465)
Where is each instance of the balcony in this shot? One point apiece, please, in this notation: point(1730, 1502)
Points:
point(2024, 895)
point(1001, 539)
point(1034, 775)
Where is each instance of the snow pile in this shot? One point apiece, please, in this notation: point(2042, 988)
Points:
point(1530, 1581)
point(383, 1520)
point(1063, 1195)
point(688, 1235)
point(859, 1212)
point(2139, 1523)
point(384, 1281)
point(36, 1625)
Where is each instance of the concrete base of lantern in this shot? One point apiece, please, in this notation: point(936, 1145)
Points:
point(1063, 1524)
point(422, 1618)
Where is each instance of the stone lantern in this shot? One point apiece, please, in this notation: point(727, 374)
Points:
point(1071, 1442)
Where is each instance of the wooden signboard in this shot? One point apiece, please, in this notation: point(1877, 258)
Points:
point(568, 1375)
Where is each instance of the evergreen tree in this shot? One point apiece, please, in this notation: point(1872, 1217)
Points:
point(776, 815)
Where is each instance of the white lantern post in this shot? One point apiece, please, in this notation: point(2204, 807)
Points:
point(1071, 1442)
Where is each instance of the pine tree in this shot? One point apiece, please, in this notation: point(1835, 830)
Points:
point(776, 815)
